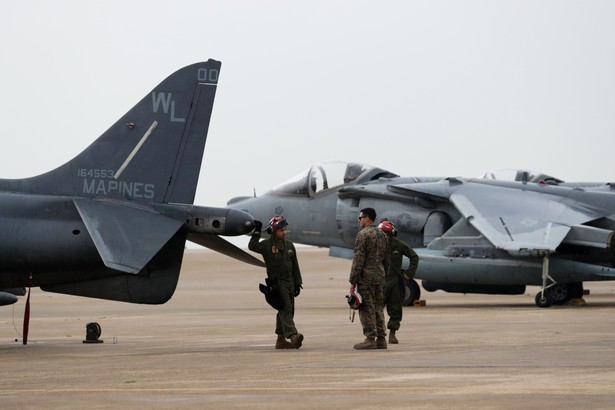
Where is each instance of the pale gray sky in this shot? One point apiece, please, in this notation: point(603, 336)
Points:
point(448, 88)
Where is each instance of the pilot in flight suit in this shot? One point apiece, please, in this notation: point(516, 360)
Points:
point(281, 261)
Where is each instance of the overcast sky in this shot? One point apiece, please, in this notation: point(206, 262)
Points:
point(451, 88)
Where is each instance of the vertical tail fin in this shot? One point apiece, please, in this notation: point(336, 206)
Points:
point(152, 153)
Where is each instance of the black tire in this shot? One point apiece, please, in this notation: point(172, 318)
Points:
point(560, 293)
point(92, 331)
point(412, 292)
point(543, 300)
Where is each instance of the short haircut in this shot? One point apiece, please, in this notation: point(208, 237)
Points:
point(369, 212)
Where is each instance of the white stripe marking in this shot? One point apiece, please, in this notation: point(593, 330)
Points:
point(136, 149)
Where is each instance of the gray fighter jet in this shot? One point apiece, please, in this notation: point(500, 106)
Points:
point(112, 222)
point(484, 235)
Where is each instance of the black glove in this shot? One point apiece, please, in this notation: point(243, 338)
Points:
point(258, 225)
point(298, 289)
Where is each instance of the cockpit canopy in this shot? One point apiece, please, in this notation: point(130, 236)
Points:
point(520, 175)
point(326, 175)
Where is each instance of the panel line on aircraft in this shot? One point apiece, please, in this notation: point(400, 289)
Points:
point(136, 149)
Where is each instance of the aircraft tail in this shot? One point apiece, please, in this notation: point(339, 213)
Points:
point(153, 153)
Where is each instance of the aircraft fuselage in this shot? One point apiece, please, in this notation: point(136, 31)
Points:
point(42, 234)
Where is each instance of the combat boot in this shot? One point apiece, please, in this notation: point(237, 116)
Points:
point(381, 342)
point(368, 343)
point(392, 339)
point(282, 343)
point(296, 340)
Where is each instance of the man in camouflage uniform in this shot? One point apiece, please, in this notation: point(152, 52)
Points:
point(394, 285)
point(281, 261)
point(369, 266)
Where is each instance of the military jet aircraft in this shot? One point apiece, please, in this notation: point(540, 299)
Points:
point(483, 235)
point(112, 222)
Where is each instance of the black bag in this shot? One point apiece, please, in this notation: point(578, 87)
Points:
point(272, 293)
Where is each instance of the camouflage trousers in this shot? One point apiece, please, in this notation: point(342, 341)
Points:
point(392, 301)
point(371, 311)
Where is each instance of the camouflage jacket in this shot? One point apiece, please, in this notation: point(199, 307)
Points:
point(280, 260)
point(371, 257)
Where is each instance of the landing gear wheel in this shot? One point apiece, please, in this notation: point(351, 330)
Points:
point(412, 292)
point(560, 293)
point(543, 299)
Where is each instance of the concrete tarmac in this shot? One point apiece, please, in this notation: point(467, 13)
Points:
point(211, 346)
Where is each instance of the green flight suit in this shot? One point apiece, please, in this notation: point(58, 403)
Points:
point(281, 261)
point(393, 285)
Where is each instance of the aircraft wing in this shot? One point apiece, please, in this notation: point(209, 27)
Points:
point(516, 220)
point(513, 219)
point(215, 243)
point(126, 236)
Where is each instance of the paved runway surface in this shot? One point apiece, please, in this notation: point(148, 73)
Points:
point(211, 346)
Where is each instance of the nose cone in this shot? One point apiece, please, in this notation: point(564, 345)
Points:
point(238, 223)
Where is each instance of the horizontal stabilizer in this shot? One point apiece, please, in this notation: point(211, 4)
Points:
point(215, 243)
point(126, 236)
point(7, 298)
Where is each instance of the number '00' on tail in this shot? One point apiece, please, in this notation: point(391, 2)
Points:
point(153, 153)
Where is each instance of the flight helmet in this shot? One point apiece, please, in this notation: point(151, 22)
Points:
point(387, 227)
point(354, 300)
point(277, 222)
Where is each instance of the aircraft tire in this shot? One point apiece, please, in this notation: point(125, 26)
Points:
point(412, 292)
point(543, 301)
point(560, 293)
